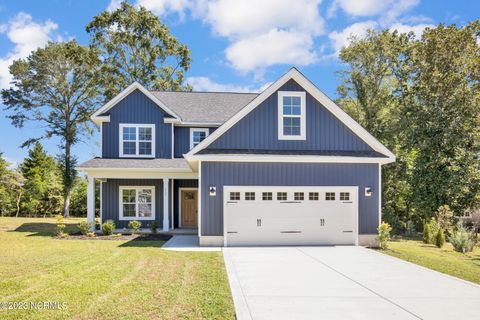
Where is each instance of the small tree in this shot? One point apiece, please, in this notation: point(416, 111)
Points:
point(460, 239)
point(440, 238)
point(384, 235)
point(427, 234)
point(135, 226)
point(444, 217)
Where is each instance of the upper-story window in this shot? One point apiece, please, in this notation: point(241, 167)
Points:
point(137, 140)
point(291, 115)
point(197, 135)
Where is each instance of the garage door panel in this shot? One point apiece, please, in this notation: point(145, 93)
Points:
point(290, 222)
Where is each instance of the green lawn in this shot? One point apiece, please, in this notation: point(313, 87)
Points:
point(108, 279)
point(446, 260)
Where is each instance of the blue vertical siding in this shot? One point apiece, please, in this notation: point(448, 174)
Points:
point(111, 200)
point(182, 140)
point(221, 174)
point(259, 129)
point(177, 184)
point(136, 108)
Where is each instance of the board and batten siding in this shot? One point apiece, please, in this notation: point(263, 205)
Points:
point(111, 200)
point(220, 174)
point(181, 138)
point(259, 129)
point(136, 108)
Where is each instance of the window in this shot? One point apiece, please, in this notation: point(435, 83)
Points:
point(281, 196)
point(329, 196)
point(344, 196)
point(137, 140)
point(234, 196)
point(267, 196)
point(299, 196)
point(291, 115)
point(249, 195)
point(197, 135)
point(137, 203)
point(313, 196)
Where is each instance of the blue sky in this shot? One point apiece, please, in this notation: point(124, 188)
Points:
point(236, 45)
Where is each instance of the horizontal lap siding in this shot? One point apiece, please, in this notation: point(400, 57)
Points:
point(111, 200)
point(180, 183)
point(221, 174)
point(136, 108)
point(182, 140)
point(259, 129)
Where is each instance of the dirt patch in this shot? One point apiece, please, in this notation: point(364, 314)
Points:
point(136, 237)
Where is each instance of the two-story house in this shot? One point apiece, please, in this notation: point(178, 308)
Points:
point(283, 167)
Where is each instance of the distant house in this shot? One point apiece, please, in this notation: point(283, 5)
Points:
point(283, 167)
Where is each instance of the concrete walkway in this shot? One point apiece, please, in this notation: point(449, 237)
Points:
point(186, 243)
point(342, 283)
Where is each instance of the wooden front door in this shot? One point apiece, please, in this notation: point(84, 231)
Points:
point(189, 206)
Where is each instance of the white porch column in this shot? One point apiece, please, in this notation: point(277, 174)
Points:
point(166, 198)
point(91, 201)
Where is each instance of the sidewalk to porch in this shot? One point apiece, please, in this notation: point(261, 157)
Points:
point(186, 243)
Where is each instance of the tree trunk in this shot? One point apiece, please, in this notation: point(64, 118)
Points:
point(18, 203)
point(66, 204)
point(67, 180)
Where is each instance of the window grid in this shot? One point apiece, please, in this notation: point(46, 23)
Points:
point(137, 140)
point(282, 196)
point(299, 196)
point(235, 196)
point(330, 196)
point(344, 196)
point(137, 202)
point(249, 195)
point(267, 196)
point(313, 196)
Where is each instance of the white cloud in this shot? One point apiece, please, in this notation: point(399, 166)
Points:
point(255, 53)
point(114, 5)
point(26, 36)
point(388, 9)
point(342, 38)
point(416, 29)
point(206, 84)
point(164, 7)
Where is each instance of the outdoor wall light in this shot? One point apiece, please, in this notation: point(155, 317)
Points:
point(368, 191)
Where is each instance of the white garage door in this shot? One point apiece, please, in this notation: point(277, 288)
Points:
point(290, 215)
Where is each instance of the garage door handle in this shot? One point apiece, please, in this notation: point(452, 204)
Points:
point(259, 222)
point(322, 222)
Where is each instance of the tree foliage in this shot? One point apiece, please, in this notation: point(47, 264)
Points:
point(56, 86)
point(136, 46)
point(421, 98)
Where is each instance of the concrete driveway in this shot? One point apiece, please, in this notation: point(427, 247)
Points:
point(342, 283)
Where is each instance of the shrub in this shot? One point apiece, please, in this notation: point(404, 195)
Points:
point(108, 227)
point(440, 238)
point(85, 227)
point(410, 230)
point(460, 239)
point(384, 235)
point(90, 234)
point(135, 226)
point(116, 235)
point(445, 217)
point(398, 226)
point(427, 233)
point(154, 227)
point(60, 226)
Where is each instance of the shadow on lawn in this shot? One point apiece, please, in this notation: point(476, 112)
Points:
point(43, 229)
point(143, 241)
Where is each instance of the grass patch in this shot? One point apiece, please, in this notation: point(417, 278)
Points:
point(445, 260)
point(107, 279)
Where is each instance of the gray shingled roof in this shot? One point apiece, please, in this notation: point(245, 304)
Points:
point(180, 164)
point(215, 107)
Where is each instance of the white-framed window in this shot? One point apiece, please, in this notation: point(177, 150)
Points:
point(291, 115)
point(281, 196)
point(329, 196)
point(137, 203)
point(249, 195)
point(299, 196)
point(197, 135)
point(137, 140)
point(266, 196)
point(344, 196)
point(313, 196)
point(234, 195)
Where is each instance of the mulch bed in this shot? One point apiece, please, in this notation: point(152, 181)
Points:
point(136, 237)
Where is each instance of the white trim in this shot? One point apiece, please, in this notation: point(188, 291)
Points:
point(286, 158)
point(172, 216)
point(136, 188)
point(317, 94)
point(192, 130)
point(101, 140)
point(200, 198)
point(166, 222)
point(180, 204)
point(98, 119)
point(137, 140)
point(101, 202)
point(302, 116)
point(91, 200)
point(379, 194)
point(179, 123)
point(138, 174)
